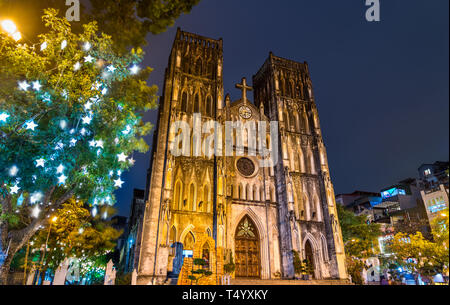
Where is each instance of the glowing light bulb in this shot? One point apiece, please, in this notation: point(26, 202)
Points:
point(9, 26)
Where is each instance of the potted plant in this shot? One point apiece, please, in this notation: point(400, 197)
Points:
point(308, 270)
point(230, 267)
point(299, 268)
point(201, 272)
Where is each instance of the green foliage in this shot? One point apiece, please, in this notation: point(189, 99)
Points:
point(230, 267)
point(419, 254)
point(127, 21)
point(299, 268)
point(63, 97)
point(359, 236)
point(308, 267)
point(75, 234)
point(200, 272)
point(355, 267)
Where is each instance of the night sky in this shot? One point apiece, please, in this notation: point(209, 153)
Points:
point(381, 88)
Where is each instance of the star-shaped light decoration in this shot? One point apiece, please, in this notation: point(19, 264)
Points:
point(86, 120)
point(3, 116)
point(14, 189)
point(127, 130)
point(63, 44)
point(35, 212)
point(40, 163)
point(37, 86)
point(62, 179)
point(89, 59)
point(83, 131)
point(63, 124)
point(96, 86)
point(99, 143)
point(59, 146)
point(134, 69)
point(24, 85)
point(122, 157)
point(132, 161)
point(73, 142)
point(104, 91)
point(116, 141)
point(44, 46)
point(94, 212)
point(76, 66)
point(111, 68)
point(118, 183)
point(87, 106)
point(13, 171)
point(36, 197)
point(87, 46)
point(92, 143)
point(31, 125)
point(60, 169)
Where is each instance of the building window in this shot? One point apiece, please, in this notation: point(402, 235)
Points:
point(427, 172)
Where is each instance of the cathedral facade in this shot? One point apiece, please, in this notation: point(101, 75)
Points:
point(259, 215)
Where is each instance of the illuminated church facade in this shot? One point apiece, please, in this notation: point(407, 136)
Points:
point(258, 215)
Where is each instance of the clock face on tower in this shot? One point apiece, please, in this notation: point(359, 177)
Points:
point(245, 112)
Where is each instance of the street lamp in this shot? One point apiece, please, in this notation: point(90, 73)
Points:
point(10, 27)
point(54, 219)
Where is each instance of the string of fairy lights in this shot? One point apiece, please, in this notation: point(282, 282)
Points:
point(70, 137)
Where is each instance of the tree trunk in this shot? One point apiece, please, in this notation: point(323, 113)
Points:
point(4, 269)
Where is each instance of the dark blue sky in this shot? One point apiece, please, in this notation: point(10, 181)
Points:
point(381, 88)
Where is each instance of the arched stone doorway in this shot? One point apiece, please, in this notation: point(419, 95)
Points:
point(247, 249)
point(309, 256)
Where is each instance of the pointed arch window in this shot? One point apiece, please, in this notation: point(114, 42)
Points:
point(210, 107)
point(247, 229)
point(196, 103)
point(191, 205)
point(173, 235)
point(189, 242)
point(199, 66)
point(283, 87)
point(247, 192)
point(241, 192)
point(285, 119)
point(206, 198)
point(177, 196)
point(184, 102)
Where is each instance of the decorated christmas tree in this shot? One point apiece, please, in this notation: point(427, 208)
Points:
point(69, 124)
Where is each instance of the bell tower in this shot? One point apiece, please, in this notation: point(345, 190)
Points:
point(179, 188)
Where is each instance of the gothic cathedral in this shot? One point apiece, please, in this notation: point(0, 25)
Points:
point(258, 215)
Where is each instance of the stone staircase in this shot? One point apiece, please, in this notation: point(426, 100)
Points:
point(256, 282)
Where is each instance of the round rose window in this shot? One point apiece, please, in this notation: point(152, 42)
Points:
point(246, 167)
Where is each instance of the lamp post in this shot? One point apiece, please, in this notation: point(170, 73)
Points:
point(41, 265)
point(10, 27)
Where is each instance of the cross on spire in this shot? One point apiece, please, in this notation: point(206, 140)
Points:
point(244, 89)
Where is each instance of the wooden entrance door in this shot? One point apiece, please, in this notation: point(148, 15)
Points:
point(247, 249)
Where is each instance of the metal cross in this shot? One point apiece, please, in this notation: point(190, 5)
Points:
point(244, 89)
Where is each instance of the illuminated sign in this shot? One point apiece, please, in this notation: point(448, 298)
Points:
point(392, 193)
point(188, 253)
